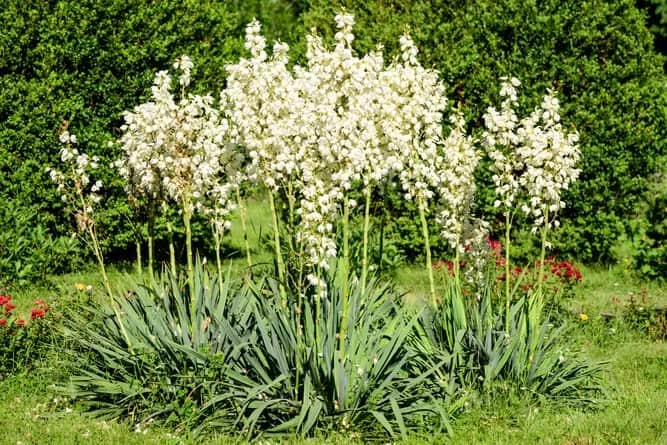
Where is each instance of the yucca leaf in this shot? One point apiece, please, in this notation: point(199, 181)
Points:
point(383, 421)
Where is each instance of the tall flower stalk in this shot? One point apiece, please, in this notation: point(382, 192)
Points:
point(244, 227)
point(82, 195)
point(427, 249)
point(533, 161)
point(179, 150)
point(364, 251)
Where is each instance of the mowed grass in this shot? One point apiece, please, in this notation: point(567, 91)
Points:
point(632, 411)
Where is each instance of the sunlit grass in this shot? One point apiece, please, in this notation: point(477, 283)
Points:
point(634, 410)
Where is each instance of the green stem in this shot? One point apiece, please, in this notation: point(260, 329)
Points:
point(457, 258)
point(508, 225)
point(187, 216)
point(151, 230)
point(345, 273)
point(540, 272)
point(105, 280)
point(172, 250)
point(276, 243)
point(137, 245)
point(427, 247)
point(243, 215)
point(318, 310)
point(364, 251)
point(290, 217)
point(217, 234)
point(381, 246)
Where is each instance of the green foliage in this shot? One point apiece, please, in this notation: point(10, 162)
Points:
point(245, 361)
point(531, 356)
point(651, 254)
point(598, 55)
point(657, 21)
point(374, 381)
point(401, 227)
point(28, 251)
point(646, 317)
point(176, 361)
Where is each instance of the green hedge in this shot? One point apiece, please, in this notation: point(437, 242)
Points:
point(85, 61)
point(82, 63)
point(600, 57)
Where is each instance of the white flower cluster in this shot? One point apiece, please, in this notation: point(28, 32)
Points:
point(457, 181)
point(340, 120)
point(416, 117)
point(533, 159)
point(74, 183)
point(476, 252)
point(180, 150)
point(500, 140)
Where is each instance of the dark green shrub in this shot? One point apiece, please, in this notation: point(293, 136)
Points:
point(598, 55)
point(81, 64)
point(657, 21)
point(28, 251)
point(651, 254)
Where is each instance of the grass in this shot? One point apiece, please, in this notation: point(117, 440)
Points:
point(633, 411)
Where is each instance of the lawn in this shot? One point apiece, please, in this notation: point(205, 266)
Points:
point(632, 410)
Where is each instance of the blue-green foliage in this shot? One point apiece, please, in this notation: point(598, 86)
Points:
point(245, 361)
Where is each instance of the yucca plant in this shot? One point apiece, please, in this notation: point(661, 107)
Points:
point(301, 376)
point(531, 355)
point(176, 360)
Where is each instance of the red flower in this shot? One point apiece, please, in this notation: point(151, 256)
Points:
point(41, 304)
point(494, 245)
point(442, 264)
point(4, 299)
point(9, 307)
point(37, 313)
point(21, 322)
point(3, 322)
point(567, 270)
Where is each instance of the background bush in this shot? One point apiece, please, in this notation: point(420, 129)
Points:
point(651, 253)
point(600, 57)
point(81, 63)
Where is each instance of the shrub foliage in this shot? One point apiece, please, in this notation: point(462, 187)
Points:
point(600, 57)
